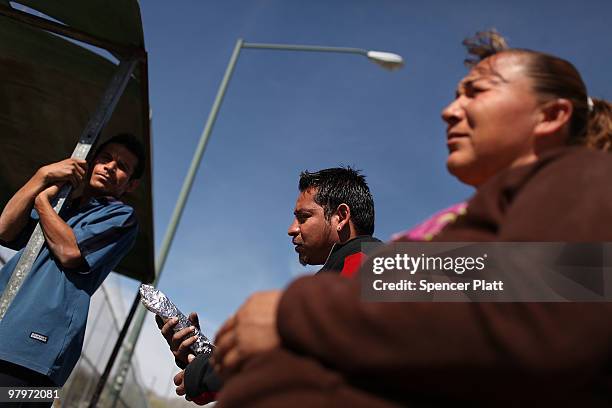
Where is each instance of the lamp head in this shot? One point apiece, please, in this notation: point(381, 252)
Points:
point(386, 60)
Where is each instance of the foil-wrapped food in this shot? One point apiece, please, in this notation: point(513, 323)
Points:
point(155, 301)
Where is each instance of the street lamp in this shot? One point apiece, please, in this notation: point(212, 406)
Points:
point(387, 60)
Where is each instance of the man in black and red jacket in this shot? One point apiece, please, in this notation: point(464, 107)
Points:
point(333, 217)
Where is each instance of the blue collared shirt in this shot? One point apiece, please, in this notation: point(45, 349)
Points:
point(44, 327)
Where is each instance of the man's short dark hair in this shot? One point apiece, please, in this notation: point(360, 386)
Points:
point(342, 185)
point(134, 146)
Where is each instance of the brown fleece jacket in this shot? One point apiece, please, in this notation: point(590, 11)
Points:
point(508, 354)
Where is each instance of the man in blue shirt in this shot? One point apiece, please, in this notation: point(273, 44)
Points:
point(43, 330)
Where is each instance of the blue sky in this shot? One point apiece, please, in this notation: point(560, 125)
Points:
point(286, 111)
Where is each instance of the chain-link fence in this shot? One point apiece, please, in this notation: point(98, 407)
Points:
point(106, 317)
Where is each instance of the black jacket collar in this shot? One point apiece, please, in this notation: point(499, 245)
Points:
point(335, 259)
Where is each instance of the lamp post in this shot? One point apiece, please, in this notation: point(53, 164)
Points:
point(387, 60)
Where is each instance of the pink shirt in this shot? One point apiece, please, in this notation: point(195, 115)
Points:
point(429, 228)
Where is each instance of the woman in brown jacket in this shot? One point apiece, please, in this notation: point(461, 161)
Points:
point(318, 344)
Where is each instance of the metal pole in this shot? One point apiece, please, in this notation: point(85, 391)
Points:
point(109, 365)
point(171, 230)
point(195, 163)
point(70, 32)
point(89, 135)
point(313, 48)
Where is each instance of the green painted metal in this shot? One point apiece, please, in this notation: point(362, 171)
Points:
point(50, 87)
point(187, 184)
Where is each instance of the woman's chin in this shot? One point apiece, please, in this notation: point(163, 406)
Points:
point(463, 172)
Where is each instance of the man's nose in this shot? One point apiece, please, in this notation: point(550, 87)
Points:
point(294, 229)
point(111, 166)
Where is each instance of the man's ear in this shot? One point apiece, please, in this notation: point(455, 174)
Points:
point(343, 212)
point(553, 117)
point(132, 185)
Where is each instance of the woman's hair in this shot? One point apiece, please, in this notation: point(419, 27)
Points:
point(553, 77)
point(599, 126)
